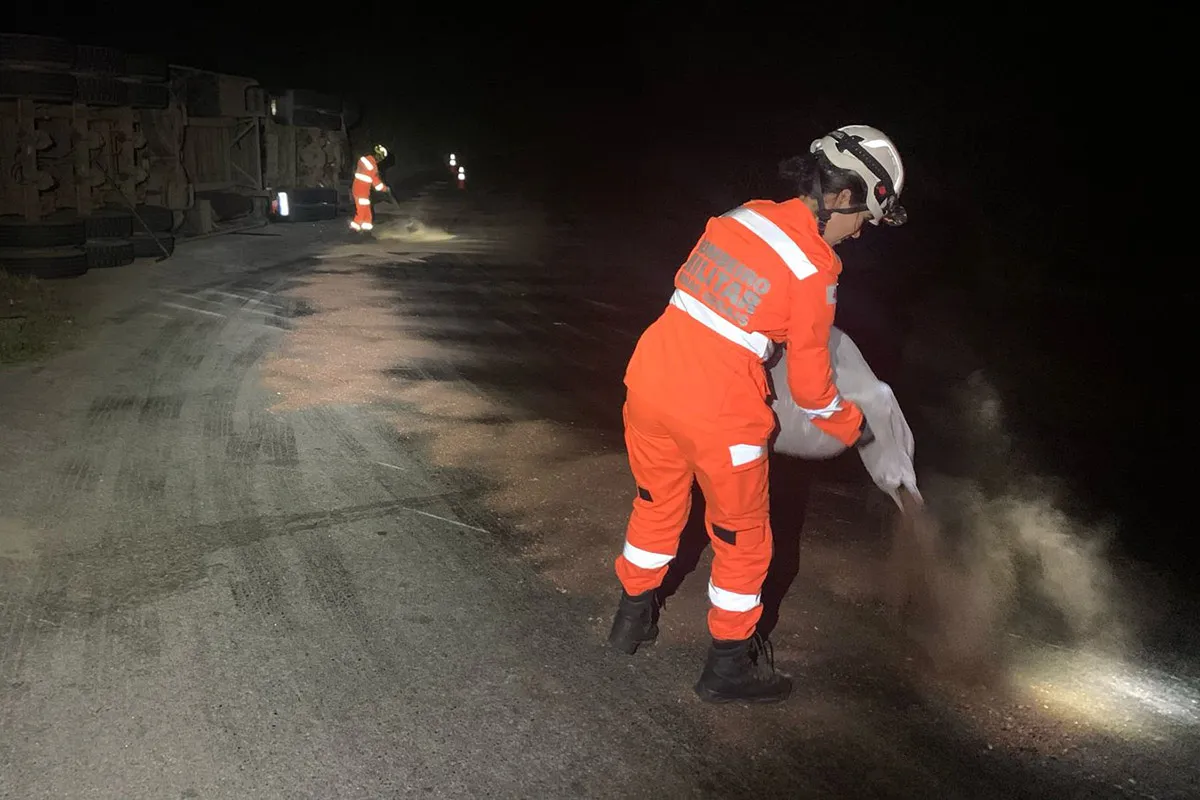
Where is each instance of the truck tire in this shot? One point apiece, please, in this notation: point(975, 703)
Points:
point(45, 262)
point(51, 87)
point(157, 218)
point(308, 118)
point(96, 90)
point(94, 60)
point(316, 101)
point(105, 253)
point(148, 68)
point(108, 224)
point(36, 51)
point(16, 232)
point(145, 247)
point(148, 95)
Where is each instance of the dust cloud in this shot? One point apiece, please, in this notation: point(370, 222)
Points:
point(992, 560)
point(410, 230)
point(410, 221)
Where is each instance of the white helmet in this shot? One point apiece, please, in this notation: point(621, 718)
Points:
point(868, 153)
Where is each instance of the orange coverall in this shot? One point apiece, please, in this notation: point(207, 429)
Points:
point(366, 175)
point(696, 402)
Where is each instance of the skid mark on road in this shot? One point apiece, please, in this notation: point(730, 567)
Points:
point(248, 355)
point(331, 587)
point(267, 439)
point(330, 421)
point(257, 587)
point(75, 474)
point(142, 478)
point(217, 412)
point(98, 579)
point(160, 407)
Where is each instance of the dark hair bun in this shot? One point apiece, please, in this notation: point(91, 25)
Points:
point(805, 172)
point(798, 170)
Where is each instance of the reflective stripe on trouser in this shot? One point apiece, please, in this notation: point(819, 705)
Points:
point(664, 455)
point(362, 204)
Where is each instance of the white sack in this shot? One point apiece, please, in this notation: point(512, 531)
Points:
point(888, 459)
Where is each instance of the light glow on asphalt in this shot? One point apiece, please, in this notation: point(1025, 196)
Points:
point(1105, 693)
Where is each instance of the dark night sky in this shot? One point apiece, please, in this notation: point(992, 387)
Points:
point(1013, 130)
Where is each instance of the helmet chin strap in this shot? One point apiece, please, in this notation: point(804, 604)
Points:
point(825, 214)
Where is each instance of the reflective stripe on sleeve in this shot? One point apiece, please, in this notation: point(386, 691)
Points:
point(826, 412)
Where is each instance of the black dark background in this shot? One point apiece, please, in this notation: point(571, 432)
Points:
point(1042, 182)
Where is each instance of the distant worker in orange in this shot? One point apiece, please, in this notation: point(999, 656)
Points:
point(763, 274)
point(366, 177)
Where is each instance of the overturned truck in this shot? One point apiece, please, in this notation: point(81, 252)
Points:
point(106, 156)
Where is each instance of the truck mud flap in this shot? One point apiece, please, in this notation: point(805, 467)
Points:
point(316, 195)
point(313, 213)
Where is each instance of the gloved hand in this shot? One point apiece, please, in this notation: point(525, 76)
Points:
point(865, 434)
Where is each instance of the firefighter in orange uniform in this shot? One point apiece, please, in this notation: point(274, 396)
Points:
point(763, 274)
point(366, 177)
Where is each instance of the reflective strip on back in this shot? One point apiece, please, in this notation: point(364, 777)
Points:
point(776, 239)
point(755, 342)
point(367, 163)
point(358, 176)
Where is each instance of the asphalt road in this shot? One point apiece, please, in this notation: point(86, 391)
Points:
point(303, 516)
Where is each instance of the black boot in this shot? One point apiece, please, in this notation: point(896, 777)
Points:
point(635, 622)
point(742, 670)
